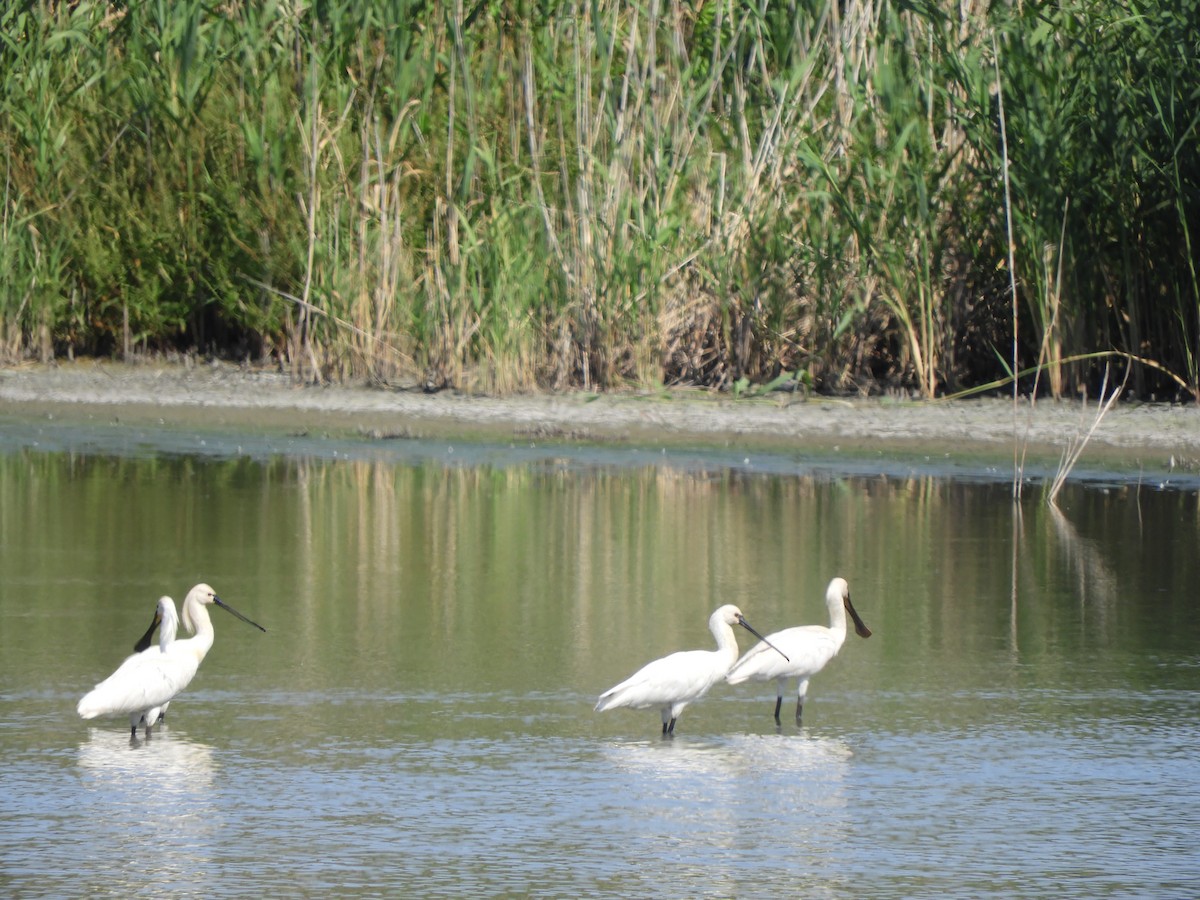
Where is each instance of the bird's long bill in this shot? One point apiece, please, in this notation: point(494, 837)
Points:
point(144, 641)
point(225, 606)
point(750, 628)
point(860, 627)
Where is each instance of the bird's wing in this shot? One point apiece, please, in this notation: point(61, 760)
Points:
point(808, 648)
point(142, 681)
point(686, 674)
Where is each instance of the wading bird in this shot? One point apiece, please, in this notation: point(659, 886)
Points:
point(674, 681)
point(167, 621)
point(808, 649)
point(148, 680)
point(164, 615)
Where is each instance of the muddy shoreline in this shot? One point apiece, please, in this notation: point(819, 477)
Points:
point(1130, 438)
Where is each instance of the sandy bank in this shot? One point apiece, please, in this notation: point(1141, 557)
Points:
point(1131, 436)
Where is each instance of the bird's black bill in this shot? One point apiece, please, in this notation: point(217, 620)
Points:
point(860, 627)
point(144, 641)
point(225, 606)
point(742, 621)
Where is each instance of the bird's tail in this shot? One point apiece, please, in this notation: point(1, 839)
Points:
point(609, 699)
point(735, 676)
point(88, 707)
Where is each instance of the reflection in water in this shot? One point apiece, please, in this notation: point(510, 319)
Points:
point(152, 807)
point(794, 774)
point(165, 761)
point(365, 557)
point(1095, 583)
point(728, 789)
point(708, 763)
point(419, 719)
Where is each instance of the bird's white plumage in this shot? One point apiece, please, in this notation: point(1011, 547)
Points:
point(130, 672)
point(808, 648)
point(168, 627)
point(674, 681)
point(146, 681)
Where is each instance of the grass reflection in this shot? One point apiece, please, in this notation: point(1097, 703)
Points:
point(563, 578)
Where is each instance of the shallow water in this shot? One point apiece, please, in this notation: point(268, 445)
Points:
point(418, 720)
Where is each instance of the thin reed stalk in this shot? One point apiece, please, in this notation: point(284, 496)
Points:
point(1075, 446)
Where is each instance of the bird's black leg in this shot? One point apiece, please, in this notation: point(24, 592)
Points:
point(799, 708)
point(778, 703)
point(671, 727)
point(664, 728)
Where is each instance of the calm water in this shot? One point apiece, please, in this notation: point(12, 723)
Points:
point(417, 720)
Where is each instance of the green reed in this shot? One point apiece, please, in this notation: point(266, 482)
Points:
point(518, 195)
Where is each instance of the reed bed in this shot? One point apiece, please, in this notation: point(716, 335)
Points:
point(524, 195)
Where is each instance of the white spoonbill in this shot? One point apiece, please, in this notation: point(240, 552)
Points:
point(164, 615)
point(674, 681)
point(808, 648)
point(167, 620)
point(150, 679)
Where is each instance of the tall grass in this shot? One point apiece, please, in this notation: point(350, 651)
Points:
point(508, 196)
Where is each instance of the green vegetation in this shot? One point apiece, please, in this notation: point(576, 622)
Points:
point(520, 193)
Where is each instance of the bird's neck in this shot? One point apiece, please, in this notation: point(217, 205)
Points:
point(196, 620)
point(837, 620)
point(167, 632)
point(726, 640)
